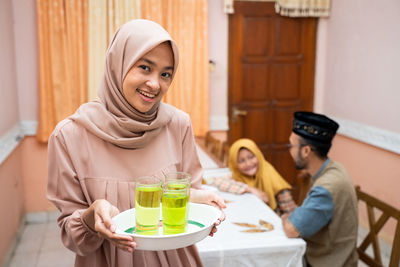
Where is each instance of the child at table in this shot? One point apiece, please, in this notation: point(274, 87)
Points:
point(251, 173)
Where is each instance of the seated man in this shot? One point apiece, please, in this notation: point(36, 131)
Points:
point(327, 219)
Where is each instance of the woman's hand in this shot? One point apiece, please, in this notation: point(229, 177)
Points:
point(260, 194)
point(98, 218)
point(210, 198)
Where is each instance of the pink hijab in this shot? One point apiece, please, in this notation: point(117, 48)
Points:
point(112, 118)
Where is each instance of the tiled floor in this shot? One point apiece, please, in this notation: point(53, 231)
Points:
point(39, 244)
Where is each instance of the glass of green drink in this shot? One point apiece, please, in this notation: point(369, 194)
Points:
point(148, 192)
point(175, 206)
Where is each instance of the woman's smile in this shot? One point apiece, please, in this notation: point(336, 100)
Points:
point(149, 97)
point(251, 169)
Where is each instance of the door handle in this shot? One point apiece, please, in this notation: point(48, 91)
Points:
point(237, 112)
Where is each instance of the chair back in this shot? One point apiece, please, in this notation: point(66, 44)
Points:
point(374, 227)
point(213, 145)
point(303, 183)
point(224, 156)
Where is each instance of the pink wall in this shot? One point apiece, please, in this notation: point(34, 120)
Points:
point(23, 177)
point(360, 60)
point(11, 200)
point(8, 85)
point(375, 170)
point(34, 173)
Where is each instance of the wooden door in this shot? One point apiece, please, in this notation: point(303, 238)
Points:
point(271, 75)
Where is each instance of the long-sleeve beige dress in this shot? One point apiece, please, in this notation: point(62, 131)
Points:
point(83, 168)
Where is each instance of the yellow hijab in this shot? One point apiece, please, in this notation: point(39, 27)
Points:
point(267, 178)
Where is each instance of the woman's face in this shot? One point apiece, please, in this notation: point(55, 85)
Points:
point(247, 162)
point(149, 78)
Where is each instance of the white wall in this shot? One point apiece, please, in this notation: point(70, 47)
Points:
point(358, 63)
point(218, 52)
point(26, 48)
point(9, 114)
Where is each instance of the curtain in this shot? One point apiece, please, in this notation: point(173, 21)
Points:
point(292, 8)
point(105, 16)
point(62, 30)
point(73, 39)
point(186, 21)
point(303, 8)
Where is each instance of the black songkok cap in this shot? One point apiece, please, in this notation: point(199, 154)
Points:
point(315, 127)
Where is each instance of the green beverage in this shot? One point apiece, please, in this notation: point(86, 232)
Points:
point(174, 210)
point(147, 206)
point(178, 181)
point(176, 186)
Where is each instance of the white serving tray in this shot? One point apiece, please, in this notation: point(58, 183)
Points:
point(200, 222)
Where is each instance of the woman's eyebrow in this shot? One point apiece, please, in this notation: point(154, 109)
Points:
point(152, 63)
point(148, 61)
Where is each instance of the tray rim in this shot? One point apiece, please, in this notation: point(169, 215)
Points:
point(139, 236)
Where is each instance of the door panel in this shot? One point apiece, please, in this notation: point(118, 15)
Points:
point(271, 75)
point(256, 26)
point(284, 81)
point(257, 85)
point(288, 37)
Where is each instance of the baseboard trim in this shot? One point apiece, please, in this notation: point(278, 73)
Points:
point(219, 123)
point(28, 128)
point(368, 134)
point(41, 217)
point(10, 140)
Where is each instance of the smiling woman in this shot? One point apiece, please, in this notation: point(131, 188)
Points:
point(96, 154)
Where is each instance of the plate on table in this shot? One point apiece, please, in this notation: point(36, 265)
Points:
point(200, 222)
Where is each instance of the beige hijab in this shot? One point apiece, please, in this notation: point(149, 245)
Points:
point(112, 118)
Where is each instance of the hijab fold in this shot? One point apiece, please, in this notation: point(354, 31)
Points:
point(267, 179)
point(112, 118)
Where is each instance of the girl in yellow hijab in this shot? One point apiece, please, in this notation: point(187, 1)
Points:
point(249, 166)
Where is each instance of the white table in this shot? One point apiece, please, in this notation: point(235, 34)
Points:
point(232, 248)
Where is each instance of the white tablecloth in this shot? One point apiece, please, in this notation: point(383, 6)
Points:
point(230, 247)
